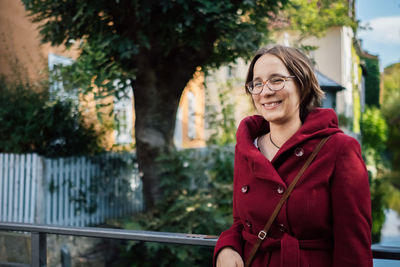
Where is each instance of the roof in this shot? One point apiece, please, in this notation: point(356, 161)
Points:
point(327, 83)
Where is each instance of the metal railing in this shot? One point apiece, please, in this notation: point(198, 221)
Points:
point(39, 232)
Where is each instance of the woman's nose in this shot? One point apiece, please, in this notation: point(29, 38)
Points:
point(266, 90)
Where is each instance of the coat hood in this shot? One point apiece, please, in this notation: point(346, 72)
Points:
point(319, 123)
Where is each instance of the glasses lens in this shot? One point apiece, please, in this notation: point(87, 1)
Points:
point(276, 83)
point(256, 87)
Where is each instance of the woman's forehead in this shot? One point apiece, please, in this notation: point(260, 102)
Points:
point(269, 65)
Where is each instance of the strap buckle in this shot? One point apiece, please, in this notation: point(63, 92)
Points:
point(262, 235)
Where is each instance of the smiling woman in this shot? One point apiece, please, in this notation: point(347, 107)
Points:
point(297, 171)
point(277, 106)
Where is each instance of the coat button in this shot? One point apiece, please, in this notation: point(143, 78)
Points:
point(245, 188)
point(248, 224)
point(282, 227)
point(280, 190)
point(299, 152)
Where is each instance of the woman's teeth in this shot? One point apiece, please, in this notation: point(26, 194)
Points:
point(273, 104)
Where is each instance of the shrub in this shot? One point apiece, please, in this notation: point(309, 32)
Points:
point(30, 123)
point(197, 199)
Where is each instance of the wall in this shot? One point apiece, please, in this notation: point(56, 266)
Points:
point(20, 43)
point(83, 251)
point(190, 120)
point(230, 78)
point(334, 59)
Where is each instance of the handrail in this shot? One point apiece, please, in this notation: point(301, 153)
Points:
point(151, 236)
point(385, 252)
point(39, 231)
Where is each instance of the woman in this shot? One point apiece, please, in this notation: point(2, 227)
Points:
point(326, 221)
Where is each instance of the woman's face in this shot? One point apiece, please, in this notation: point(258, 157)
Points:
point(281, 106)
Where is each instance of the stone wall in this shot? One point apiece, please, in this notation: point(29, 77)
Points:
point(84, 251)
point(15, 247)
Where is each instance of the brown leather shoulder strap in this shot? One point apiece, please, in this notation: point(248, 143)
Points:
point(263, 233)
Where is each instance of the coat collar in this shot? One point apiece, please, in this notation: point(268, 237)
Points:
point(318, 124)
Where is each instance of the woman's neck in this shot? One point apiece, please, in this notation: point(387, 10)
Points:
point(280, 133)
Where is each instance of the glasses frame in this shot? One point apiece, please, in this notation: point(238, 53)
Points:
point(266, 82)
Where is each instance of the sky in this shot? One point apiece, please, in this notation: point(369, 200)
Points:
point(383, 39)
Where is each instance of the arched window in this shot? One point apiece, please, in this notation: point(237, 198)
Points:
point(123, 116)
point(57, 90)
point(191, 115)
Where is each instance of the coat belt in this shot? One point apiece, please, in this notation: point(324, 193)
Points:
point(289, 246)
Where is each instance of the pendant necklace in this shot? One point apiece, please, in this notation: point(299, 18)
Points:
point(272, 142)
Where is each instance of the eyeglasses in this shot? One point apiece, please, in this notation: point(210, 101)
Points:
point(275, 84)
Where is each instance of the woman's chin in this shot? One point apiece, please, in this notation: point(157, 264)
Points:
point(272, 116)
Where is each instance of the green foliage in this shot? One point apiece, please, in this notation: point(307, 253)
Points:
point(32, 123)
point(393, 193)
point(374, 133)
point(391, 82)
point(94, 73)
point(391, 111)
point(197, 199)
point(356, 80)
point(345, 122)
point(221, 123)
point(314, 17)
point(379, 203)
point(372, 81)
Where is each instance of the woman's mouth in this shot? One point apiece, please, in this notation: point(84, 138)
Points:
point(271, 104)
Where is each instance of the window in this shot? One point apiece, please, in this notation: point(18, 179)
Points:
point(191, 115)
point(123, 115)
point(57, 89)
point(231, 71)
point(178, 129)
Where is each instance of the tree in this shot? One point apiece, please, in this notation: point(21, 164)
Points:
point(374, 133)
point(391, 111)
point(372, 80)
point(157, 45)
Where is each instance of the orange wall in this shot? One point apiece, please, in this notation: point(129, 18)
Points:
point(20, 46)
point(196, 86)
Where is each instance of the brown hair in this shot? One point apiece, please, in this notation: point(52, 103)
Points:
point(299, 65)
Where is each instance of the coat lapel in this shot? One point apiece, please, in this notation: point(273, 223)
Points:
point(318, 124)
point(260, 166)
point(263, 168)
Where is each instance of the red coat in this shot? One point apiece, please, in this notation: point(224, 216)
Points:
point(327, 219)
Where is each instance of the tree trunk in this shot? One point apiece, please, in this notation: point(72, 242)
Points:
point(157, 91)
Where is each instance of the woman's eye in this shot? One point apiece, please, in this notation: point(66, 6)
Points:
point(257, 84)
point(276, 80)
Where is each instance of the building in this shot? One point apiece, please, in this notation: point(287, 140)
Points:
point(337, 58)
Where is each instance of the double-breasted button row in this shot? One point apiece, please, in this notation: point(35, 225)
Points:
point(280, 189)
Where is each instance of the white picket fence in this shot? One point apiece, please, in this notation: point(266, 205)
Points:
point(76, 191)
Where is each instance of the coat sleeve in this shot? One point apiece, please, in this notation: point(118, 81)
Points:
point(233, 236)
point(351, 207)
